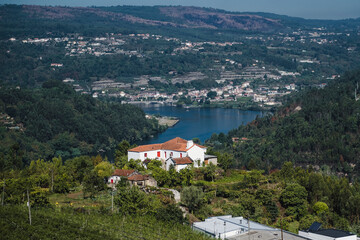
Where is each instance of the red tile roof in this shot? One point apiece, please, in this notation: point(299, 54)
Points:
point(123, 172)
point(183, 160)
point(138, 177)
point(176, 144)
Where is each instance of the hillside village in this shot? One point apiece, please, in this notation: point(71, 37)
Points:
point(258, 82)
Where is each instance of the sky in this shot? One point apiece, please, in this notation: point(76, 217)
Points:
point(310, 9)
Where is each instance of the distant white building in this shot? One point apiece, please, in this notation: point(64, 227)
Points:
point(178, 152)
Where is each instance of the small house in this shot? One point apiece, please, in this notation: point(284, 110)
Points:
point(120, 174)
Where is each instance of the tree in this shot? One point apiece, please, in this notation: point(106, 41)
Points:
point(92, 184)
point(225, 160)
point(287, 171)
point(122, 149)
point(153, 164)
point(209, 172)
point(170, 213)
point(162, 177)
point(307, 220)
point(192, 197)
point(132, 201)
point(104, 169)
point(293, 198)
point(320, 208)
point(186, 175)
point(211, 94)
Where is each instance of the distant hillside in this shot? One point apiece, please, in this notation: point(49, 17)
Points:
point(56, 121)
point(27, 20)
point(318, 127)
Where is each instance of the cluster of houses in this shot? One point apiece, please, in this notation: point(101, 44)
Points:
point(176, 153)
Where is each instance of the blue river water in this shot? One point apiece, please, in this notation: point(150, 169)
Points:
point(198, 122)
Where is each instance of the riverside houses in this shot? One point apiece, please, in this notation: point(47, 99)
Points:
point(177, 152)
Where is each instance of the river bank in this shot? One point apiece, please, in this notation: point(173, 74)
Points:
point(165, 120)
point(240, 105)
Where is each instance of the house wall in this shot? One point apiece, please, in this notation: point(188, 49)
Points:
point(168, 164)
point(213, 161)
point(115, 179)
point(134, 155)
point(196, 153)
point(164, 154)
point(151, 182)
point(179, 167)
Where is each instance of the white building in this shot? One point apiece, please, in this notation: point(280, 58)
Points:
point(178, 152)
point(315, 233)
point(239, 228)
point(119, 174)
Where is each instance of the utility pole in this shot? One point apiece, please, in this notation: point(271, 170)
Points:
point(28, 204)
point(281, 226)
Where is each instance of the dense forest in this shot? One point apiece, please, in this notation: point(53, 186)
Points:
point(318, 127)
point(56, 121)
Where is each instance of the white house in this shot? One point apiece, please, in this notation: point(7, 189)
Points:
point(119, 174)
point(178, 152)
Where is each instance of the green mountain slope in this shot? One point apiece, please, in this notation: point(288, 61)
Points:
point(318, 127)
point(54, 120)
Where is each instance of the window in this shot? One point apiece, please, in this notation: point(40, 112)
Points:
point(165, 154)
point(181, 155)
point(171, 154)
point(145, 155)
point(158, 154)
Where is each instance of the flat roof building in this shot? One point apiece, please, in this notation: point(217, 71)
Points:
point(237, 228)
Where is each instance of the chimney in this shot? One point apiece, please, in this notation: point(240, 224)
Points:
point(189, 144)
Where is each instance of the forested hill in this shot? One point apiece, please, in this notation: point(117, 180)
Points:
point(318, 127)
point(57, 121)
point(189, 22)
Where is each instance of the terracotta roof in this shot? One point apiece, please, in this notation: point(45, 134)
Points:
point(138, 177)
point(176, 144)
point(144, 148)
point(123, 172)
point(183, 160)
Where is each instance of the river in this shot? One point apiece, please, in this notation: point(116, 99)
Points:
point(198, 122)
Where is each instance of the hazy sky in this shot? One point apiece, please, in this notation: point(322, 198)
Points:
point(316, 9)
